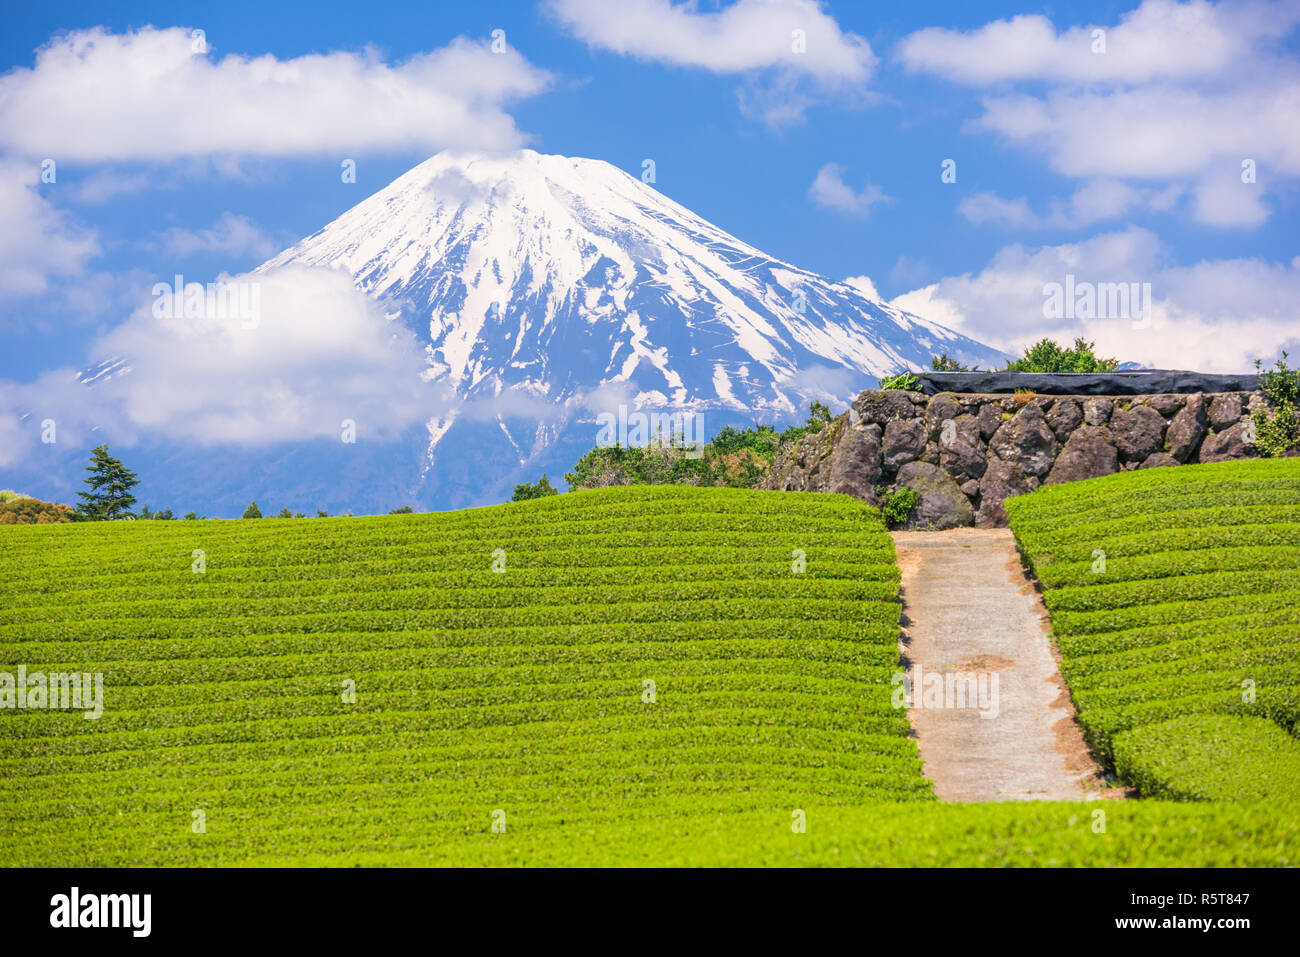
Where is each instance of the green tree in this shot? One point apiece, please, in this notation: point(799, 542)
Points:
point(1278, 428)
point(110, 483)
point(252, 511)
point(404, 510)
point(738, 458)
point(1046, 356)
point(539, 489)
point(819, 416)
point(946, 363)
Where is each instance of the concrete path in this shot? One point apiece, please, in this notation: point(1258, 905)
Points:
point(992, 716)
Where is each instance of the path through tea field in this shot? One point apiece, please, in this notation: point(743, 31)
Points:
point(992, 717)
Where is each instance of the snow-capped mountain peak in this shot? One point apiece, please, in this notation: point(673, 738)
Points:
point(520, 263)
point(542, 281)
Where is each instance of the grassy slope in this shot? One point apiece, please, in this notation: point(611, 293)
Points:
point(476, 690)
point(519, 691)
point(1211, 757)
point(1175, 598)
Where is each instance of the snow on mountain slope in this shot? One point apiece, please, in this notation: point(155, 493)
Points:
point(549, 290)
point(550, 283)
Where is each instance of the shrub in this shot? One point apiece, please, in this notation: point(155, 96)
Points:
point(252, 511)
point(1046, 356)
point(759, 439)
point(24, 510)
point(736, 458)
point(539, 489)
point(1280, 384)
point(1279, 430)
point(899, 505)
point(945, 363)
point(903, 382)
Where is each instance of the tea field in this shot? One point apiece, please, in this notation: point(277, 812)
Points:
point(376, 685)
point(1174, 596)
point(629, 676)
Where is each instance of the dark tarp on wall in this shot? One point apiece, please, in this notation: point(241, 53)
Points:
point(1144, 382)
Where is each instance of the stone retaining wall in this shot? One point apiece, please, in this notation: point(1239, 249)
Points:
point(965, 453)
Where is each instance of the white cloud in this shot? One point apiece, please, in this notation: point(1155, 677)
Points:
point(1155, 131)
point(1181, 97)
point(96, 97)
point(1224, 200)
point(106, 184)
point(836, 386)
point(13, 440)
point(1160, 40)
point(907, 271)
point(927, 303)
point(747, 35)
point(320, 352)
point(230, 235)
point(829, 189)
point(38, 242)
point(794, 40)
point(1214, 316)
point(1104, 199)
point(988, 207)
point(864, 285)
point(54, 396)
point(1095, 201)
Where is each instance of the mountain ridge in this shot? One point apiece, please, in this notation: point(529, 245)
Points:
point(540, 295)
point(550, 288)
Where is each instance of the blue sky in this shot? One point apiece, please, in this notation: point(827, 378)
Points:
point(1119, 165)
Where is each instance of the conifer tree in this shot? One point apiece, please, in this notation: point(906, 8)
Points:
point(110, 483)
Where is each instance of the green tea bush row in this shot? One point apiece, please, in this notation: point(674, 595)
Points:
point(1175, 602)
point(1212, 758)
point(672, 653)
point(461, 598)
point(400, 577)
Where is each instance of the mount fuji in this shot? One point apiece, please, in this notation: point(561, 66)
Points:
point(549, 289)
point(472, 324)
